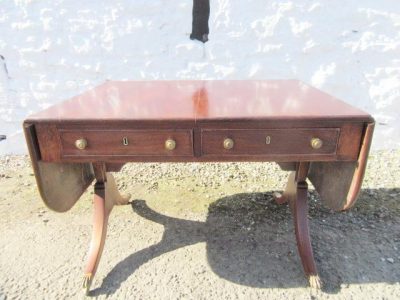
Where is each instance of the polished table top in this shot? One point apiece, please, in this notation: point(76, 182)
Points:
point(201, 100)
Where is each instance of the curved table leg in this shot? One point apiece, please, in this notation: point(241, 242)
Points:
point(299, 210)
point(296, 194)
point(106, 195)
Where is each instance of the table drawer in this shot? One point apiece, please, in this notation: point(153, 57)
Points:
point(301, 141)
point(126, 142)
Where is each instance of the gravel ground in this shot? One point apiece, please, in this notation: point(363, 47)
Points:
point(201, 231)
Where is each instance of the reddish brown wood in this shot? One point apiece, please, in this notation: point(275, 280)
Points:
point(100, 220)
point(199, 115)
point(102, 143)
point(359, 172)
point(105, 141)
point(296, 194)
point(214, 100)
point(350, 139)
point(200, 102)
point(299, 173)
point(338, 183)
point(106, 195)
point(281, 141)
point(49, 141)
point(302, 169)
point(60, 184)
point(99, 170)
point(214, 158)
point(300, 215)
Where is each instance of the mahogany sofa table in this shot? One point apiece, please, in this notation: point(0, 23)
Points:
point(304, 130)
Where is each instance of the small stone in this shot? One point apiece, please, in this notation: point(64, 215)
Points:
point(391, 260)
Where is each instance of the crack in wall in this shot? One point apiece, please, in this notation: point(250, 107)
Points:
point(5, 66)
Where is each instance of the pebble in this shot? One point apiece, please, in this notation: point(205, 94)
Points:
point(391, 260)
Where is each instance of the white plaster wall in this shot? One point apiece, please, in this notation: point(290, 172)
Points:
point(56, 49)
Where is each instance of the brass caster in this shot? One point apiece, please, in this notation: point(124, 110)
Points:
point(87, 282)
point(315, 282)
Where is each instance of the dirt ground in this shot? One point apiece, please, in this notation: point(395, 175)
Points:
point(201, 231)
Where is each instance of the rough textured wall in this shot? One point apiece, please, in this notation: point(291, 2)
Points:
point(55, 49)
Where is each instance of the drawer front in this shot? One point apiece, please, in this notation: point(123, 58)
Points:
point(269, 141)
point(126, 142)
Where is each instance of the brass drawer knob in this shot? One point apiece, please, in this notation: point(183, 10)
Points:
point(170, 144)
point(81, 144)
point(228, 143)
point(316, 143)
